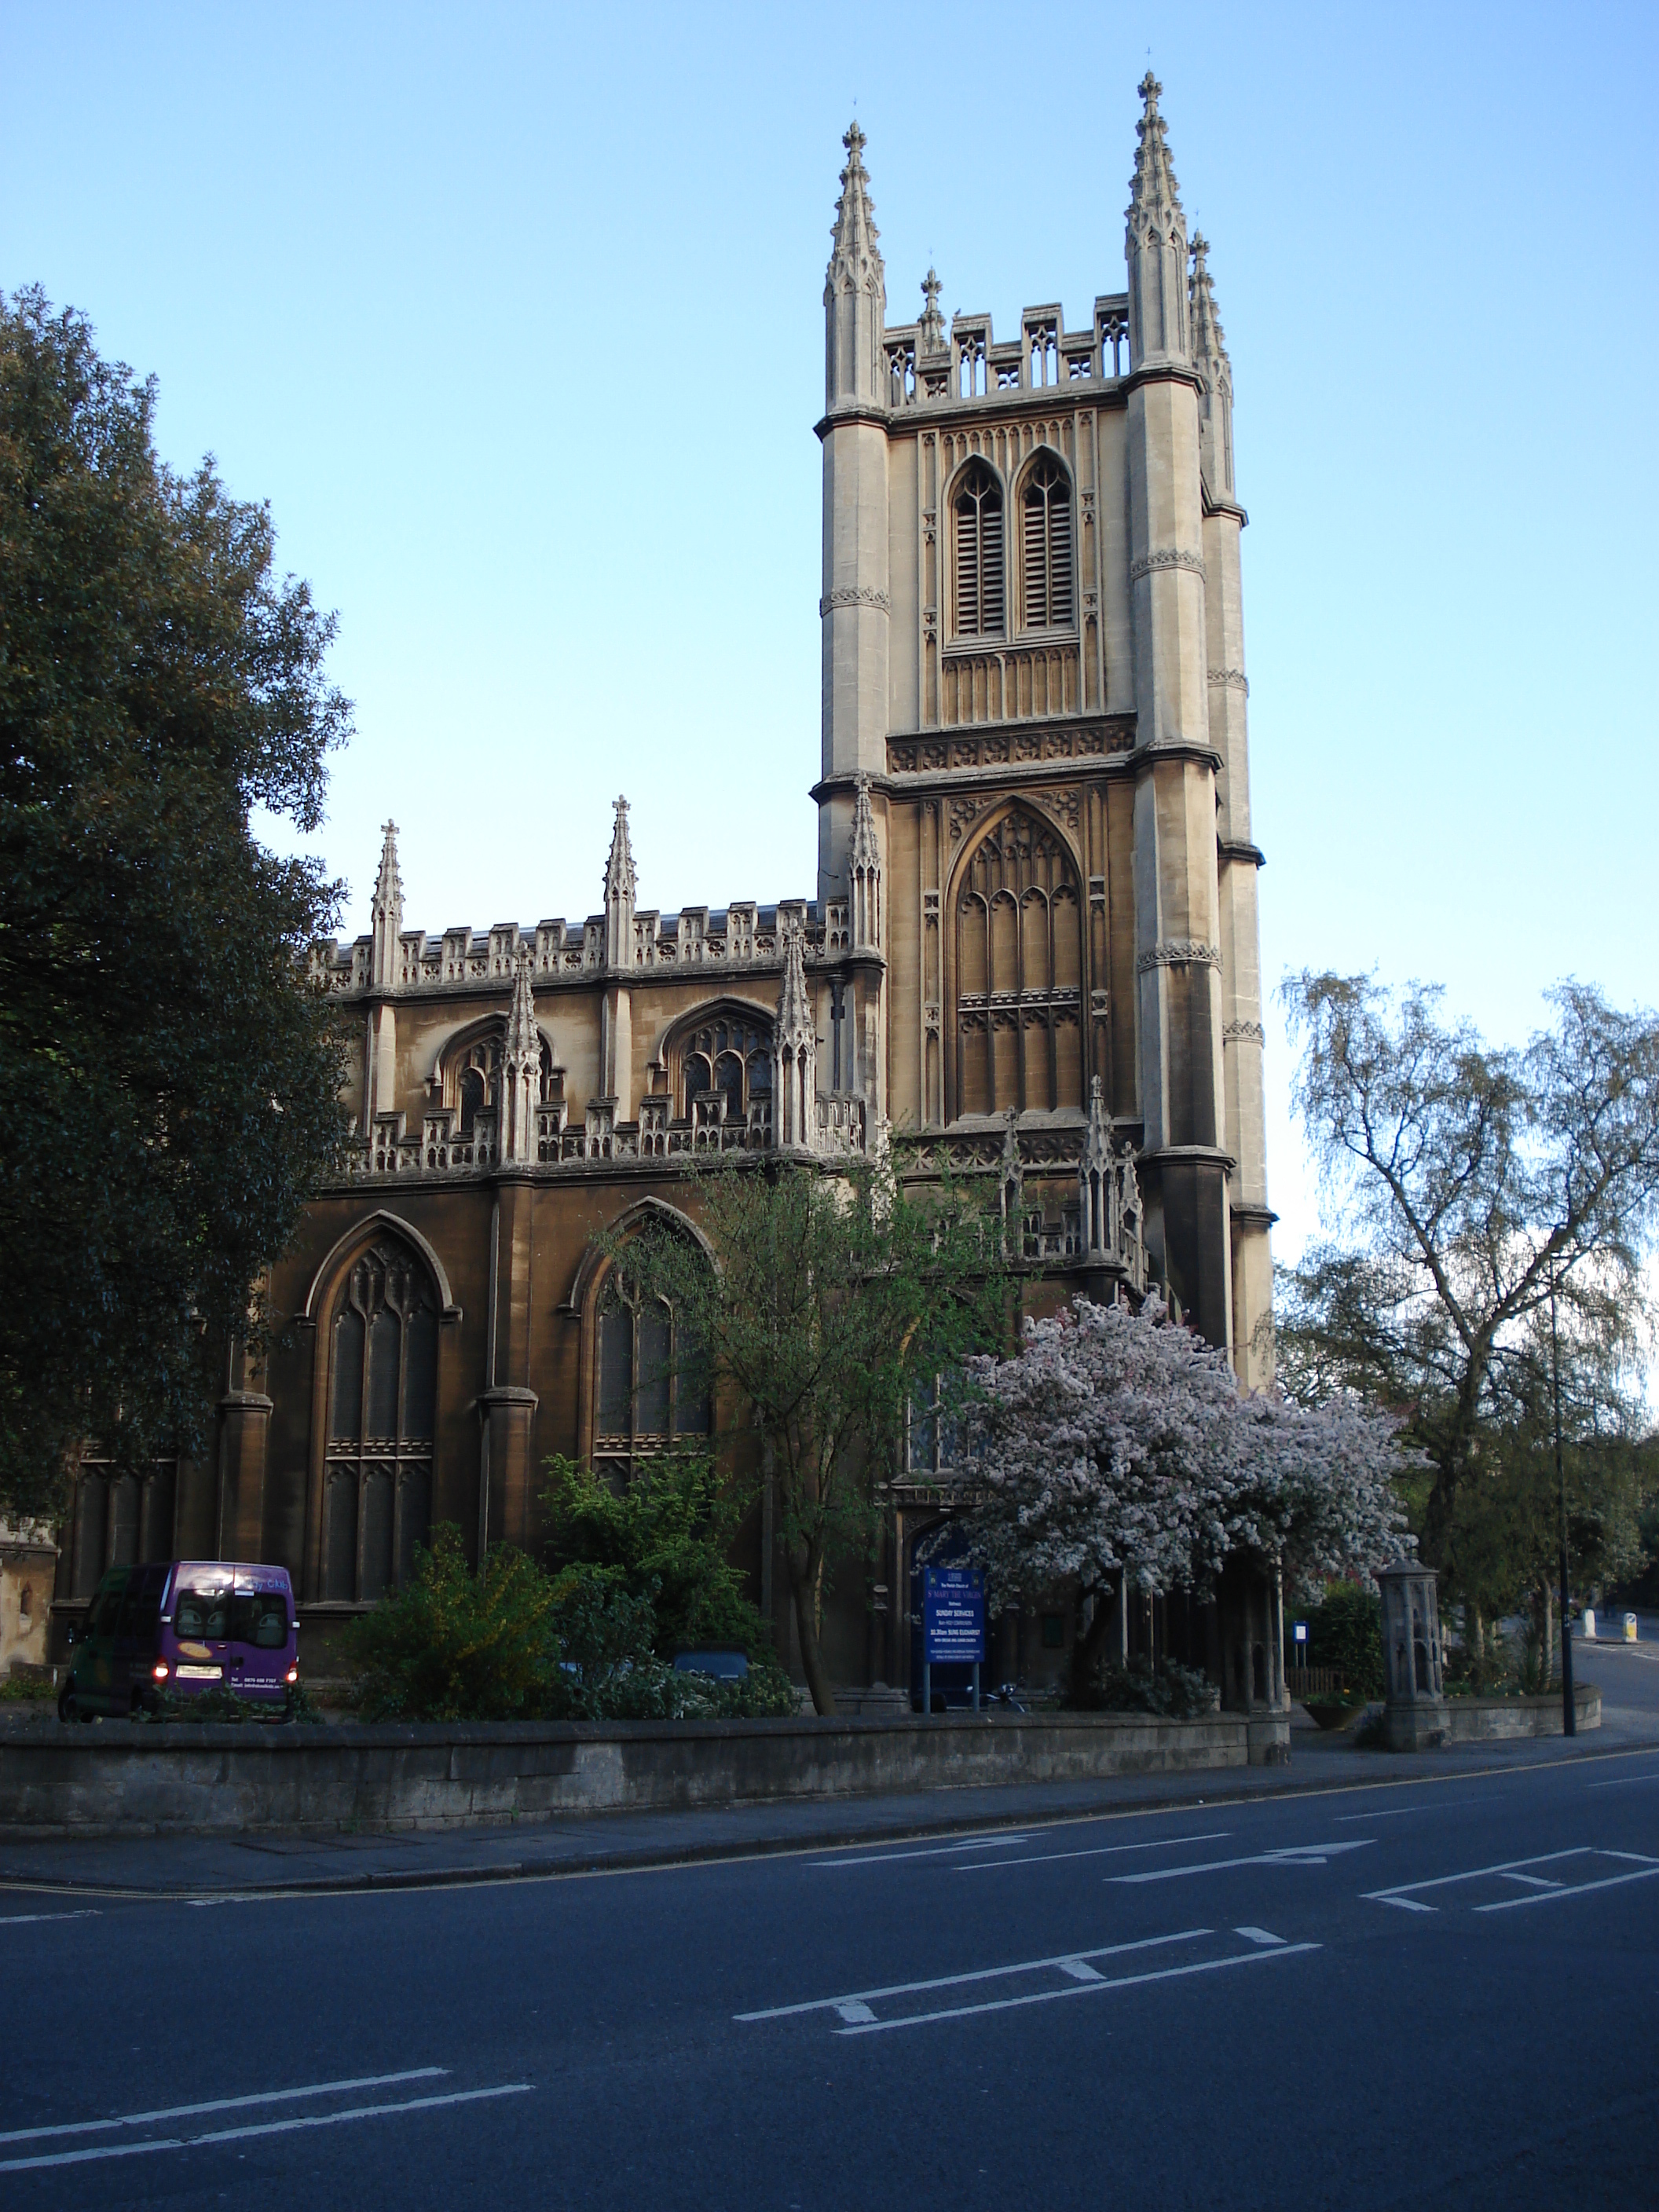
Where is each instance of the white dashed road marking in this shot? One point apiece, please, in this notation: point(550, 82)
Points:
point(83, 2155)
point(1080, 1976)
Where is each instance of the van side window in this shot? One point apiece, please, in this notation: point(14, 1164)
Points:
point(141, 1609)
point(204, 1613)
point(106, 1608)
point(259, 1618)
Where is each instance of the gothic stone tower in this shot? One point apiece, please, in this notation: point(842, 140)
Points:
point(1033, 664)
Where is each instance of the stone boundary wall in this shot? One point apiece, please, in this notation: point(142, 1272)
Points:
point(1490, 1720)
point(135, 1778)
point(1485, 1720)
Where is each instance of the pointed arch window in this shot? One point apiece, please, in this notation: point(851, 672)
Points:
point(652, 1385)
point(1017, 959)
point(979, 560)
point(1046, 518)
point(382, 1405)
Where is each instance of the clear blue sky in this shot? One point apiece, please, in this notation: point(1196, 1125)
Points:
point(514, 316)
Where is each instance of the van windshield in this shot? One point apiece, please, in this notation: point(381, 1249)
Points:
point(259, 1618)
point(202, 1613)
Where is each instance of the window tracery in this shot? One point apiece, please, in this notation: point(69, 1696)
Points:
point(726, 1065)
point(1045, 512)
point(382, 1416)
point(977, 503)
point(472, 1078)
point(1017, 959)
point(651, 1384)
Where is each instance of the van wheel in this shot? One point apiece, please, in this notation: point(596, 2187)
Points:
point(69, 1707)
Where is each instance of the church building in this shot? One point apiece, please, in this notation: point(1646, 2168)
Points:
point(1030, 956)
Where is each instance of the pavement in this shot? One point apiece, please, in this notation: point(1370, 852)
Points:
point(248, 1865)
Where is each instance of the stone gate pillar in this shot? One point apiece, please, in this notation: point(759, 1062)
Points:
point(1250, 1608)
point(1414, 1716)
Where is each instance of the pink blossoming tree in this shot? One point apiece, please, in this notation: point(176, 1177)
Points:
point(1119, 1447)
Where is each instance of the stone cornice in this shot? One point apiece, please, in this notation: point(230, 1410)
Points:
point(1253, 1217)
point(1176, 749)
point(1189, 1156)
point(1164, 372)
point(1225, 508)
point(878, 417)
point(1232, 849)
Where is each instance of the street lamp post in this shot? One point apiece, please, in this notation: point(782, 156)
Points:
point(1569, 1716)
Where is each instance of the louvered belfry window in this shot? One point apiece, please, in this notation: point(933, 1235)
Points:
point(1048, 548)
point(979, 553)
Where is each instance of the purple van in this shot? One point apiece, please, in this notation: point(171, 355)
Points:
point(185, 1626)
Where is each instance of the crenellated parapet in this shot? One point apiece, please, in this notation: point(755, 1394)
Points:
point(746, 935)
point(931, 367)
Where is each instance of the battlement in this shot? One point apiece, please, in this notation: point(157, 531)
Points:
point(743, 935)
point(927, 367)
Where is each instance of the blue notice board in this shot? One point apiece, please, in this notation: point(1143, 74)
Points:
point(953, 1613)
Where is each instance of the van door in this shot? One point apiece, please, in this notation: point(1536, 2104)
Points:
point(201, 1627)
point(93, 1676)
point(258, 1650)
point(135, 1638)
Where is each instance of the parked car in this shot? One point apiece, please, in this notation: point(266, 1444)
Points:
point(183, 1626)
point(724, 1666)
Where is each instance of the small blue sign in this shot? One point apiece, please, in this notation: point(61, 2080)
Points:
point(953, 1614)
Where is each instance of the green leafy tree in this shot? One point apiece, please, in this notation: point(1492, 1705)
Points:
point(168, 1082)
point(1463, 1183)
point(834, 1298)
point(669, 1532)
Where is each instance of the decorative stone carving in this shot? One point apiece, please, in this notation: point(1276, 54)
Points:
point(962, 811)
point(1180, 952)
point(1250, 1032)
point(855, 595)
point(1231, 679)
point(1166, 557)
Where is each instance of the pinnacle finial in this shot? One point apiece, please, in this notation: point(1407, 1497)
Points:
point(933, 322)
point(619, 877)
point(856, 257)
point(386, 908)
point(1155, 243)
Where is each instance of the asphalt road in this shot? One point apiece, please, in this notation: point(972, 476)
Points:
point(1408, 1993)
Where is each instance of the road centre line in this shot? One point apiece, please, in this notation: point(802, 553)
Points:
point(982, 1974)
point(1623, 1781)
point(928, 1851)
point(226, 2104)
point(1395, 1813)
point(27, 1919)
point(1256, 1958)
point(261, 2128)
point(1292, 1855)
point(1097, 1852)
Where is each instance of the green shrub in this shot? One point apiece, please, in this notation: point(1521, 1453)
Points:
point(25, 1689)
point(666, 1533)
point(1172, 1692)
point(519, 1643)
point(1345, 1633)
point(453, 1644)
